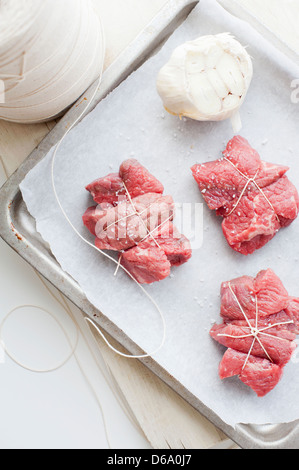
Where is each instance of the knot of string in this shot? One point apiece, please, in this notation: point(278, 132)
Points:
point(255, 332)
point(248, 182)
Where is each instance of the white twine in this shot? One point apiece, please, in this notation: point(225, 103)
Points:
point(255, 332)
point(106, 255)
point(23, 365)
point(51, 51)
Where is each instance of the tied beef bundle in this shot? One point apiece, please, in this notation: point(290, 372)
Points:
point(133, 218)
point(260, 324)
point(255, 198)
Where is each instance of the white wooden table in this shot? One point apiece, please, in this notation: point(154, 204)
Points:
point(61, 410)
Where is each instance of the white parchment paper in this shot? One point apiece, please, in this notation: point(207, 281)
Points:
point(131, 122)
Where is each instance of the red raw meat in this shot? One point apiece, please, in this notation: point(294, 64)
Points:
point(134, 218)
point(146, 265)
point(260, 325)
point(280, 351)
point(259, 374)
point(93, 214)
point(90, 218)
point(279, 323)
point(131, 229)
point(136, 178)
point(292, 311)
point(254, 198)
point(173, 250)
point(107, 189)
point(271, 295)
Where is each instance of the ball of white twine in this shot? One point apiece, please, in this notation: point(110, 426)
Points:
point(51, 51)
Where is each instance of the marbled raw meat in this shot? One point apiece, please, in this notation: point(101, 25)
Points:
point(260, 324)
point(255, 198)
point(135, 219)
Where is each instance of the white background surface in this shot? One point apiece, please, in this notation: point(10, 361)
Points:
point(59, 410)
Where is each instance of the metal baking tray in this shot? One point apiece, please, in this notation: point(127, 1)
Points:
point(243, 12)
point(18, 229)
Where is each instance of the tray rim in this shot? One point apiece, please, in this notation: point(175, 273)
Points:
point(162, 24)
point(243, 12)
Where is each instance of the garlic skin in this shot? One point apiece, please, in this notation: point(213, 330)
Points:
point(207, 79)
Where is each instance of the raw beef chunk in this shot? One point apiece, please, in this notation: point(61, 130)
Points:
point(136, 178)
point(255, 198)
point(131, 228)
point(259, 374)
point(260, 324)
point(173, 250)
point(107, 189)
point(271, 295)
point(135, 219)
point(146, 265)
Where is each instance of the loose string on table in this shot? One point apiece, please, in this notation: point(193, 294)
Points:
point(106, 371)
point(23, 365)
point(255, 332)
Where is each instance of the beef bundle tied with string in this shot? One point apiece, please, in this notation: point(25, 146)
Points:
point(255, 198)
point(134, 218)
point(260, 324)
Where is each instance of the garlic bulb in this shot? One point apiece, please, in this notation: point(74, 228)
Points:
point(207, 79)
